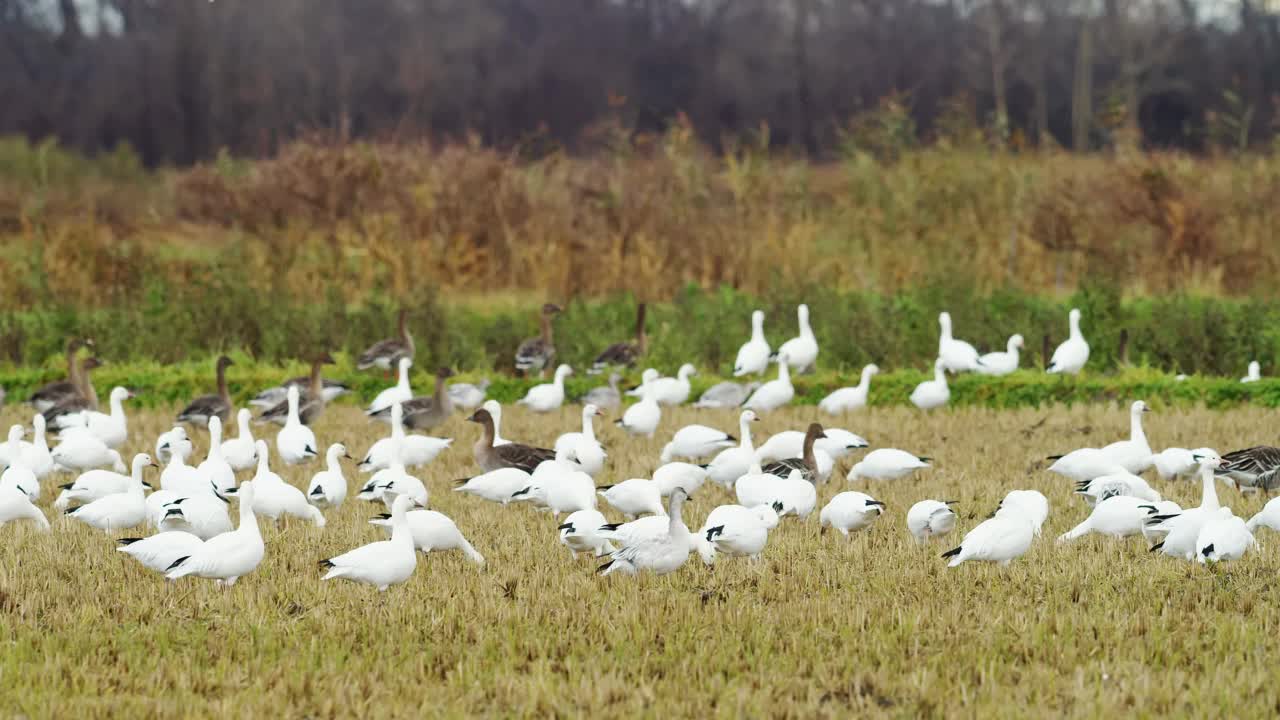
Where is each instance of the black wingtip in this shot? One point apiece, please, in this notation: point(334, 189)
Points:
point(383, 516)
point(924, 458)
point(705, 466)
point(566, 526)
point(170, 512)
point(317, 490)
point(778, 507)
point(127, 541)
point(600, 570)
point(1053, 457)
point(951, 553)
point(1207, 549)
point(326, 563)
point(178, 562)
point(522, 491)
point(610, 527)
point(68, 486)
point(1157, 546)
point(461, 481)
point(714, 531)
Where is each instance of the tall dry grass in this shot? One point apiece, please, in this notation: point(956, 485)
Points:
point(822, 626)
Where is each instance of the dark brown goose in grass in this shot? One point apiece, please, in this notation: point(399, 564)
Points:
point(206, 406)
point(386, 354)
point(311, 401)
point(424, 412)
point(1257, 467)
point(86, 399)
point(512, 455)
point(623, 354)
point(535, 354)
point(56, 392)
point(807, 465)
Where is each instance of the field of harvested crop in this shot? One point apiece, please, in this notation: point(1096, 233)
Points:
point(823, 625)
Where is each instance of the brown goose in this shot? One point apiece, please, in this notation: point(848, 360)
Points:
point(423, 412)
point(386, 354)
point(623, 354)
point(535, 354)
point(311, 401)
point(207, 406)
point(86, 399)
point(56, 392)
point(1253, 467)
point(807, 465)
point(512, 455)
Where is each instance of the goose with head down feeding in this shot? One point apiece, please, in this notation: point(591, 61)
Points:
point(580, 532)
point(537, 354)
point(511, 455)
point(931, 518)
point(424, 412)
point(55, 393)
point(801, 351)
point(736, 530)
point(623, 354)
point(696, 442)
point(887, 464)
point(850, 398)
point(208, 406)
point(432, 531)
point(385, 354)
point(850, 511)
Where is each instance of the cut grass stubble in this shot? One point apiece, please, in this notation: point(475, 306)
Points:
point(822, 625)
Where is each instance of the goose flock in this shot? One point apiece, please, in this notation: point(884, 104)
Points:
point(773, 484)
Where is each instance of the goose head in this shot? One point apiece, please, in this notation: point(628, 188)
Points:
point(870, 370)
point(1208, 458)
point(748, 416)
point(944, 320)
point(1015, 342)
point(1138, 408)
point(443, 373)
point(15, 433)
point(757, 319)
point(481, 417)
point(563, 372)
point(405, 364)
point(590, 411)
point(140, 461)
point(802, 314)
point(224, 362)
point(338, 450)
point(685, 371)
point(550, 310)
point(120, 394)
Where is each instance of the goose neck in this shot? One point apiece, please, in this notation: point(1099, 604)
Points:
point(744, 432)
point(223, 393)
point(1209, 490)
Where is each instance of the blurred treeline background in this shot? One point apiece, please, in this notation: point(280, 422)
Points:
point(182, 176)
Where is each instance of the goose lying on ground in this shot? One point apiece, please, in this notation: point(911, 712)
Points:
point(580, 532)
point(801, 351)
point(159, 552)
point(887, 464)
point(328, 488)
point(295, 442)
point(385, 354)
point(415, 450)
point(726, 395)
point(1223, 537)
point(605, 397)
point(696, 442)
point(548, 396)
point(230, 556)
point(850, 398)
point(850, 512)
point(753, 356)
point(381, 564)
point(931, 518)
point(206, 406)
point(536, 354)
point(118, 510)
point(623, 354)
point(672, 391)
point(956, 355)
point(659, 554)
point(1070, 357)
point(775, 393)
point(934, 393)
point(468, 396)
point(1001, 363)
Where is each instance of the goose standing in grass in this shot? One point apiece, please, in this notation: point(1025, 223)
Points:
point(659, 555)
point(15, 504)
point(82, 451)
point(887, 464)
point(395, 480)
point(850, 398)
point(1172, 463)
point(432, 532)
point(726, 395)
point(1183, 529)
point(203, 514)
point(215, 467)
point(1134, 454)
point(732, 463)
point(241, 452)
point(86, 397)
point(646, 377)
point(1083, 464)
point(160, 551)
point(1254, 374)
point(582, 449)
point(511, 455)
point(401, 392)
point(633, 497)
point(112, 429)
point(679, 475)
point(468, 396)
point(850, 512)
point(806, 464)
point(1031, 504)
point(118, 510)
point(171, 438)
point(547, 396)
point(385, 354)
point(928, 519)
point(295, 442)
point(15, 471)
point(956, 355)
point(328, 488)
point(423, 412)
point(229, 556)
point(999, 539)
point(313, 396)
point(1070, 357)
point(623, 354)
point(94, 484)
point(934, 393)
point(496, 485)
point(673, 391)
point(643, 417)
point(559, 487)
point(415, 450)
point(275, 497)
point(1116, 516)
point(32, 455)
point(537, 354)
point(580, 532)
point(1255, 467)
point(801, 351)
point(1223, 537)
point(836, 443)
point(775, 393)
point(736, 531)
point(1001, 363)
point(696, 442)
point(207, 406)
point(55, 393)
point(605, 397)
point(753, 356)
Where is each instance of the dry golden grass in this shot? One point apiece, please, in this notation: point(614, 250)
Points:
point(824, 625)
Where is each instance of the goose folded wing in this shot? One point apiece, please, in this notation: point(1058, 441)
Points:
point(524, 457)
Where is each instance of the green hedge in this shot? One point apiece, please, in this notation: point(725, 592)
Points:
point(161, 385)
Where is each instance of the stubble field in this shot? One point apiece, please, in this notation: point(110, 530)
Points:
point(823, 625)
